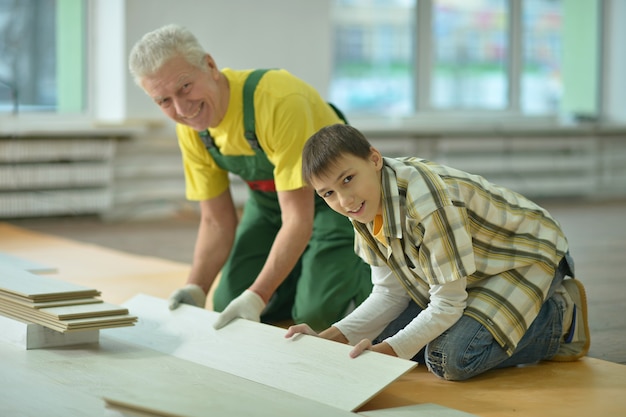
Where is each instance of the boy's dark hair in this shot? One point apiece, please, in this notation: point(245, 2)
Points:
point(327, 145)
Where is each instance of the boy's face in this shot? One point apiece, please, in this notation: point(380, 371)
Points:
point(351, 186)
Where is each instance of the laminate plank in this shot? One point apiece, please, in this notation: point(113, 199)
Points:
point(307, 366)
point(141, 403)
point(418, 410)
point(84, 311)
point(74, 382)
point(4, 297)
point(38, 288)
point(45, 304)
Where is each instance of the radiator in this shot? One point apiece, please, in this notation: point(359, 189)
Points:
point(55, 176)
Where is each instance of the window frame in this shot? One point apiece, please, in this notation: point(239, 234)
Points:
point(425, 114)
point(424, 63)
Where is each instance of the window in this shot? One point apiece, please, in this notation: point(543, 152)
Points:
point(42, 50)
point(470, 47)
point(403, 57)
point(542, 57)
point(374, 54)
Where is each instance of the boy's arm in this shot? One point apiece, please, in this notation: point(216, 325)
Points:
point(386, 302)
point(446, 306)
point(334, 334)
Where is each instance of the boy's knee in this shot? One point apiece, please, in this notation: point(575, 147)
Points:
point(448, 365)
point(441, 366)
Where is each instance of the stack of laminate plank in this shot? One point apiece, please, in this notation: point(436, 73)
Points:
point(55, 304)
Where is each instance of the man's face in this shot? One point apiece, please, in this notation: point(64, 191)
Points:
point(187, 94)
point(351, 186)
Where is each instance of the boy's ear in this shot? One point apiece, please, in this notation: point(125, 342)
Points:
point(376, 157)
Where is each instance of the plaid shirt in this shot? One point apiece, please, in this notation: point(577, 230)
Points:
point(442, 224)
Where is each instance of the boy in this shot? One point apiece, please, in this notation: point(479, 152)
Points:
point(468, 276)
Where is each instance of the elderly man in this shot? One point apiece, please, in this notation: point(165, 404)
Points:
point(289, 256)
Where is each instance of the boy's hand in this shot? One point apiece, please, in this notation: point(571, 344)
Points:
point(300, 329)
point(360, 347)
point(366, 344)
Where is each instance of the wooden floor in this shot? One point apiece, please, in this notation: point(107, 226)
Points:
point(596, 231)
point(152, 257)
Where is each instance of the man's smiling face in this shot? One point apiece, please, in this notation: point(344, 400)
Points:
point(187, 94)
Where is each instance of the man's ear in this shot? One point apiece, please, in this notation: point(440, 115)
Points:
point(210, 63)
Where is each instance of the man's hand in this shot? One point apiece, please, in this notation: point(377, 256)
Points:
point(190, 294)
point(300, 329)
point(248, 305)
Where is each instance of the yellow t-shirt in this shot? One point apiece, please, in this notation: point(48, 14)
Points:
point(287, 112)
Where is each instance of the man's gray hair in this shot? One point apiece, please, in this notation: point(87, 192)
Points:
point(159, 46)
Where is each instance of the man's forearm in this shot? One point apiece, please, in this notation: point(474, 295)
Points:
point(288, 246)
point(298, 209)
point(210, 254)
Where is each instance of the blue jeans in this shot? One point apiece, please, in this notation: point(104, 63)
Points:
point(468, 349)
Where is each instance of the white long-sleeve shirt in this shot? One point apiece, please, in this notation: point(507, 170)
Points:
point(389, 299)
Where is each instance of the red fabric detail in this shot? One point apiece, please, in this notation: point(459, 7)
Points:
point(262, 185)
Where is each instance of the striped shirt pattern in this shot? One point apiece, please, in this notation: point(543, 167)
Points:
point(442, 224)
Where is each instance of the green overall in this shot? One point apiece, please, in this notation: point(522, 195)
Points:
point(327, 279)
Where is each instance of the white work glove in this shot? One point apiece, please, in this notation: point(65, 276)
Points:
point(190, 294)
point(248, 305)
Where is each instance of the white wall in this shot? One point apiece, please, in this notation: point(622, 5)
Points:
point(290, 34)
point(108, 61)
point(614, 100)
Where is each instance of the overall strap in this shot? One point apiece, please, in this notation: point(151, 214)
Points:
point(207, 139)
point(339, 113)
point(248, 112)
point(248, 106)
